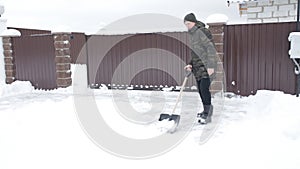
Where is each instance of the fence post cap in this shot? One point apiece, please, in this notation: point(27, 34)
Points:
point(217, 19)
point(61, 29)
point(10, 33)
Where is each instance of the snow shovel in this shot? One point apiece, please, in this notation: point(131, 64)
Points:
point(175, 117)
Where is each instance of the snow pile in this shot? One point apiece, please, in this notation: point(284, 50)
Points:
point(273, 113)
point(41, 127)
point(16, 88)
point(265, 135)
point(80, 72)
point(79, 84)
point(79, 78)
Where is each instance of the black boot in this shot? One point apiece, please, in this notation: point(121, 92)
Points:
point(207, 108)
point(205, 116)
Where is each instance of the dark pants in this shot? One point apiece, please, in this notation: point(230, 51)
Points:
point(203, 88)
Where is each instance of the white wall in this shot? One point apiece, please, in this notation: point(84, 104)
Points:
point(2, 69)
point(266, 11)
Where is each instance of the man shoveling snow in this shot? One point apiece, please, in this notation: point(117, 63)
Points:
point(202, 64)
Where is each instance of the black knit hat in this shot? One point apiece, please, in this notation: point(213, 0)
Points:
point(190, 17)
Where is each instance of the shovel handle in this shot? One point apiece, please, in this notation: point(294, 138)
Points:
point(188, 73)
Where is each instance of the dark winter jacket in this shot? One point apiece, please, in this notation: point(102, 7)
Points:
point(203, 52)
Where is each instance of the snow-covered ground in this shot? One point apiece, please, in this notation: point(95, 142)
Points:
point(41, 129)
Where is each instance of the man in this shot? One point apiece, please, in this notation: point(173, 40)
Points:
point(203, 62)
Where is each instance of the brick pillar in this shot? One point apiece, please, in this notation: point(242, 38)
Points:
point(62, 59)
point(217, 30)
point(10, 68)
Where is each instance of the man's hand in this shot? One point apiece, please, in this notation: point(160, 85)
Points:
point(188, 67)
point(210, 71)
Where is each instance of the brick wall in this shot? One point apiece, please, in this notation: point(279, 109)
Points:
point(270, 11)
point(10, 69)
point(217, 30)
point(62, 59)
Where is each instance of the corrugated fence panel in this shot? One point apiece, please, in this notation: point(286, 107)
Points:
point(35, 60)
point(78, 48)
point(133, 53)
point(256, 57)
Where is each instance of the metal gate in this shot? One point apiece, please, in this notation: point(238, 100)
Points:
point(256, 57)
point(131, 55)
point(35, 60)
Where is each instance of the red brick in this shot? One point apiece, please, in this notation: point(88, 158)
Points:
point(7, 53)
point(63, 75)
point(218, 38)
point(62, 60)
point(9, 80)
point(64, 82)
point(62, 52)
point(6, 40)
point(7, 46)
point(63, 67)
point(61, 45)
point(9, 61)
point(10, 67)
point(220, 67)
point(216, 29)
point(10, 73)
point(220, 48)
point(216, 85)
point(221, 56)
point(61, 37)
point(219, 77)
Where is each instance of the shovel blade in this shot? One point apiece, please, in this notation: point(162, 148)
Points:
point(176, 119)
point(164, 117)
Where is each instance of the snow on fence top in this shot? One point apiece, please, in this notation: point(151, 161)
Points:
point(61, 29)
point(144, 23)
point(152, 23)
point(11, 33)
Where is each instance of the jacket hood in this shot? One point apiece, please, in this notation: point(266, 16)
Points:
point(198, 25)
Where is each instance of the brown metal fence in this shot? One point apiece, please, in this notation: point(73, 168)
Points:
point(107, 53)
point(78, 48)
point(34, 60)
point(256, 57)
